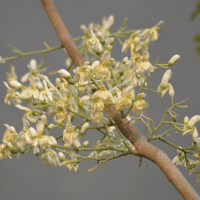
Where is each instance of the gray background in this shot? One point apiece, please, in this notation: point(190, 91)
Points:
point(24, 24)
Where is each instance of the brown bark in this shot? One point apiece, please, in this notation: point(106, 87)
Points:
point(142, 147)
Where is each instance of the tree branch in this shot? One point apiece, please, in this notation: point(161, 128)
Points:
point(142, 147)
point(62, 32)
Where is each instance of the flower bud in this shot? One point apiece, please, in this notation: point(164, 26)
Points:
point(44, 119)
point(39, 85)
point(112, 39)
point(16, 84)
point(174, 118)
point(84, 128)
point(40, 127)
point(57, 82)
point(100, 37)
point(85, 143)
point(173, 60)
point(194, 141)
point(124, 60)
point(64, 73)
point(61, 154)
point(186, 119)
point(84, 30)
point(50, 126)
point(68, 62)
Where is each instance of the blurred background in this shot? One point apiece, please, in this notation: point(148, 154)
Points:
point(25, 25)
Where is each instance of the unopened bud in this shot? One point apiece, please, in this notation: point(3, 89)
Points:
point(50, 126)
point(58, 82)
point(124, 60)
point(39, 85)
point(174, 118)
point(100, 37)
point(84, 128)
point(117, 90)
point(194, 142)
point(44, 119)
point(186, 119)
point(112, 39)
point(64, 73)
point(61, 154)
point(85, 143)
point(96, 50)
point(16, 84)
point(84, 30)
point(122, 78)
point(68, 62)
point(173, 60)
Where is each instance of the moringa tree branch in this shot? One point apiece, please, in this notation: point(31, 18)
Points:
point(142, 147)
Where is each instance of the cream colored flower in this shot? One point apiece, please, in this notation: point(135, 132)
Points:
point(50, 157)
point(70, 135)
point(34, 73)
point(165, 86)
point(93, 43)
point(30, 92)
point(100, 68)
point(190, 128)
point(42, 141)
point(46, 94)
point(30, 115)
point(82, 74)
point(140, 104)
point(12, 139)
point(12, 95)
point(124, 98)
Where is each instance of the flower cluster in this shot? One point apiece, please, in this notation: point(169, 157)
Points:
point(85, 92)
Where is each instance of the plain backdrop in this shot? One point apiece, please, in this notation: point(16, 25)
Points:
point(25, 25)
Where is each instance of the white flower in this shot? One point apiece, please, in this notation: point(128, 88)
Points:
point(164, 85)
point(190, 128)
point(93, 43)
point(124, 98)
point(46, 94)
point(70, 135)
point(100, 68)
point(73, 166)
point(107, 23)
point(13, 139)
point(12, 95)
point(42, 141)
point(145, 67)
point(30, 92)
point(140, 104)
point(103, 94)
point(82, 74)
point(50, 157)
point(173, 59)
point(32, 67)
point(30, 115)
